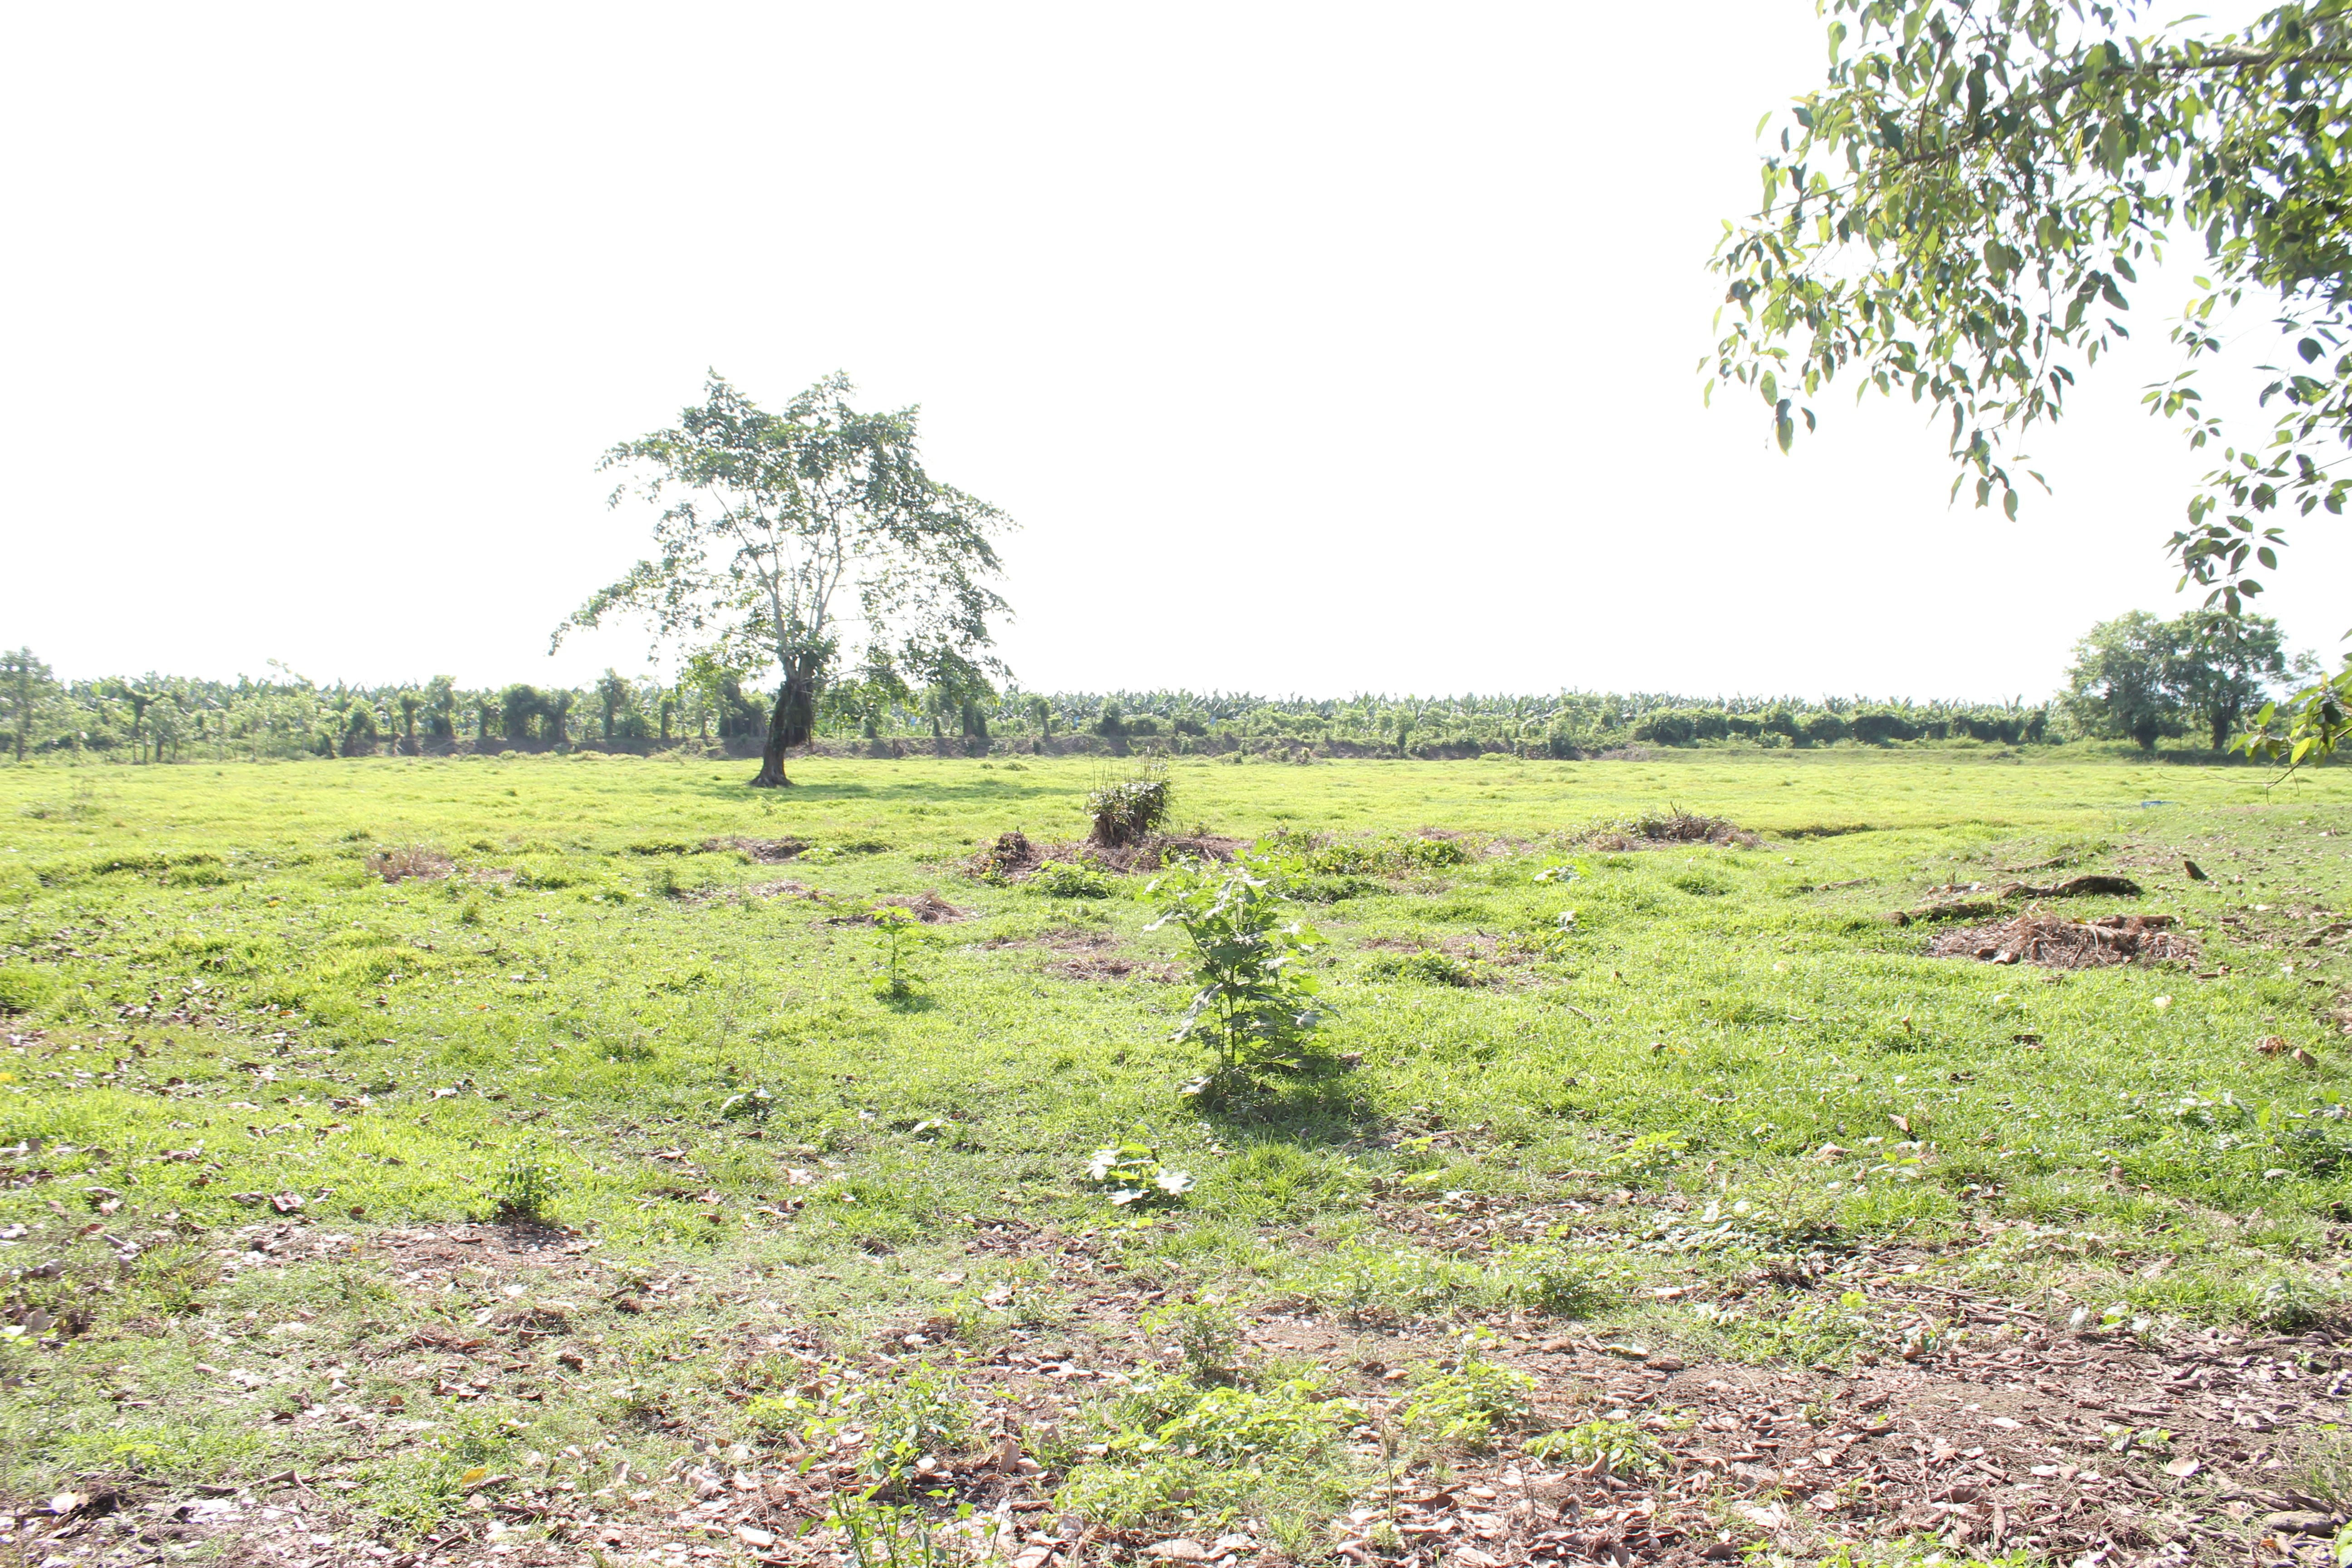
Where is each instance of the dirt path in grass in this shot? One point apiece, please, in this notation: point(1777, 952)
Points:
point(2016, 1436)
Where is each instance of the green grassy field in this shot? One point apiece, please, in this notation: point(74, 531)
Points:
point(273, 1118)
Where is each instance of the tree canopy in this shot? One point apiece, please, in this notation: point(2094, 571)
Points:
point(2139, 678)
point(1962, 212)
point(798, 538)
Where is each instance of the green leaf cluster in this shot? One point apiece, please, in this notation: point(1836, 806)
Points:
point(1255, 1002)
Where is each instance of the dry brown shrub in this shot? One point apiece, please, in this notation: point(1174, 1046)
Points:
point(1011, 857)
point(419, 861)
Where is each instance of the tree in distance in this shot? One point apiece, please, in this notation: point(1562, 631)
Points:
point(2139, 678)
point(785, 537)
point(1960, 213)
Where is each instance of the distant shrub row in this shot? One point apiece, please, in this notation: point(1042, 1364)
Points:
point(158, 717)
point(1875, 726)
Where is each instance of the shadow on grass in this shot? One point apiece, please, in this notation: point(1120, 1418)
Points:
point(1318, 1106)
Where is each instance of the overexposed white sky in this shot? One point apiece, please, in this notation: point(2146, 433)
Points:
point(1317, 348)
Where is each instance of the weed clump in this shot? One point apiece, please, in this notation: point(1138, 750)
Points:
point(1066, 880)
point(1616, 1448)
point(1429, 966)
point(902, 933)
point(1331, 889)
point(1207, 1336)
point(1128, 810)
point(526, 1186)
point(923, 1416)
point(1374, 1285)
point(1173, 1446)
point(1393, 857)
point(1468, 1405)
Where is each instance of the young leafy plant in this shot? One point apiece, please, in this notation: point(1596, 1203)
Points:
point(526, 1186)
point(902, 933)
point(1255, 1002)
point(1132, 1173)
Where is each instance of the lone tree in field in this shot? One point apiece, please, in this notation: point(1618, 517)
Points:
point(785, 537)
point(2139, 678)
point(1958, 215)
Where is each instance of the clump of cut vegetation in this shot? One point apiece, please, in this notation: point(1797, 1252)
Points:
point(1127, 809)
point(760, 851)
point(1012, 855)
point(926, 908)
point(1962, 907)
point(1158, 851)
point(1676, 827)
point(2053, 941)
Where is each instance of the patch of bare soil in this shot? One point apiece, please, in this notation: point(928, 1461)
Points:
point(2053, 941)
point(766, 851)
point(1677, 827)
point(2014, 1437)
point(1080, 954)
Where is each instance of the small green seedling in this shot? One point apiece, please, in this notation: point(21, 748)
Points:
point(902, 933)
point(1132, 1173)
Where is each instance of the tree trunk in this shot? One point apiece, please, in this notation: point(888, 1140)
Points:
point(2224, 720)
point(790, 723)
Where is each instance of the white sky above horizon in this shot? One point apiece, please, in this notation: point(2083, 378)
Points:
point(1317, 349)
